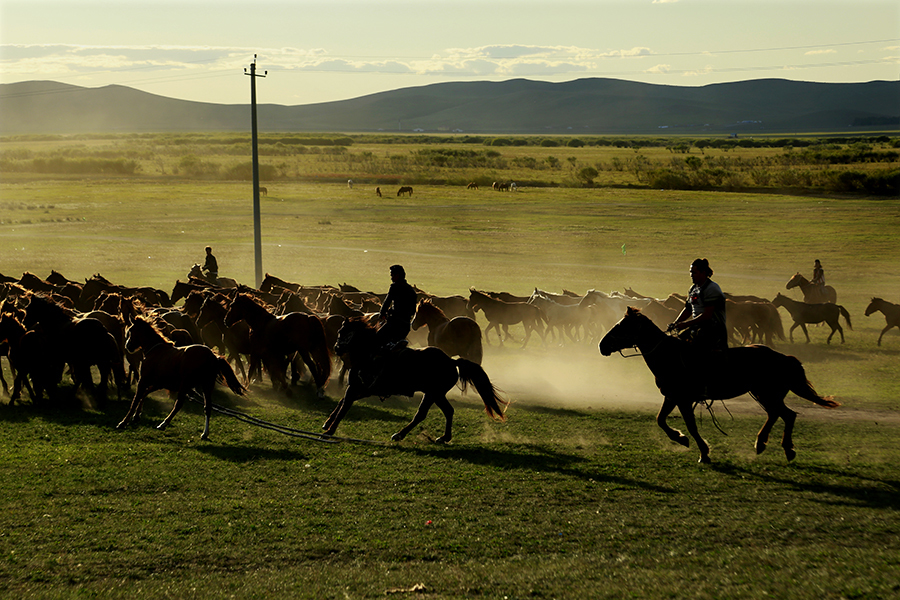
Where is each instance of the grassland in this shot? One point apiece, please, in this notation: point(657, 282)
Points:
point(578, 495)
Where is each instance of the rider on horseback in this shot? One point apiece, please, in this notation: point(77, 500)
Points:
point(818, 278)
point(211, 266)
point(395, 317)
point(704, 312)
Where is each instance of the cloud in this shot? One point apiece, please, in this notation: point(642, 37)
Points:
point(815, 52)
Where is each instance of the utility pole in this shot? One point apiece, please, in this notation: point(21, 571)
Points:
point(257, 229)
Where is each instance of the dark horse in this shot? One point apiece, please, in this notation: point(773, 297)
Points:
point(890, 311)
point(179, 370)
point(80, 342)
point(812, 293)
point(276, 340)
point(503, 314)
point(686, 376)
point(803, 313)
point(427, 370)
point(459, 336)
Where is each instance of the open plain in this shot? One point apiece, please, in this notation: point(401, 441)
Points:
point(577, 495)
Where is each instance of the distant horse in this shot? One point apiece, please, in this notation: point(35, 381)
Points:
point(890, 311)
point(81, 343)
point(350, 183)
point(503, 314)
point(502, 187)
point(225, 282)
point(472, 186)
point(263, 192)
point(179, 370)
point(812, 293)
point(765, 374)
point(459, 336)
point(405, 190)
point(427, 370)
point(563, 320)
point(803, 313)
point(276, 339)
point(378, 192)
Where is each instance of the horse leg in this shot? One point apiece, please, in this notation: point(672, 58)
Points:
point(762, 438)
point(340, 411)
point(665, 410)
point(686, 408)
point(179, 400)
point(420, 415)
point(787, 440)
point(207, 410)
point(805, 332)
point(445, 406)
point(791, 332)
point(134, 411)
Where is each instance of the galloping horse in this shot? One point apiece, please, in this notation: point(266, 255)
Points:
point(275, 339)
point(803, 313)
point(81, 343)
point(179, 370)
point(890, 311)
point(224, 282)
point(812, 294)
point(459, 336)
point(503, 314)
point(686, 376)
point(428, 370)
point(405, 190)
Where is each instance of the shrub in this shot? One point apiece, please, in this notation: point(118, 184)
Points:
point(549, 143)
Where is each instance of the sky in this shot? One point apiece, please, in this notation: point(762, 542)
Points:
point(324, 50)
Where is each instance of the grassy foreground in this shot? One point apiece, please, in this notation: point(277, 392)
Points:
point(577, 495)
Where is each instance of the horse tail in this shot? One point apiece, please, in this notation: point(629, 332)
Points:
point(472, 373)
point(801, 386)
point(846, 315)
point(230, 378)
point(319, 351)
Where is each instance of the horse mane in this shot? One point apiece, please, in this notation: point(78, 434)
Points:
point(100, 278)
point(57, 311)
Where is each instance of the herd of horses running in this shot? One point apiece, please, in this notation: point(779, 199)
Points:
point(203, 332)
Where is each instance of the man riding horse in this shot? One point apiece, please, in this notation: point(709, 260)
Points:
point(395, 318)
point(703, 315)
point(211, 266)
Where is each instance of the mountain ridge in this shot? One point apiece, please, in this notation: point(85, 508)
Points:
point(518, 106)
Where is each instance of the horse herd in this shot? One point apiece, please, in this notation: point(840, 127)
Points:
point(285, 328)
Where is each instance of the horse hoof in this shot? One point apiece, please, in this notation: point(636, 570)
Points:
point(704, 459)
point(442, 440)
point(397, 437)
point(204, 437)
point(684, 441)
point(790, 454)
point(161, 426)
point(760, 448)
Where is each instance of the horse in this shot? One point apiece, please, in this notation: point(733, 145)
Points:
point(28, 358)
point(80, 342)
point(890, 311)
point(767, 375)
point(427, 370)
point(263, 191)
point(563, 320)
point(378, 192)
point(275, 339)
point(459, 336)
point(405, 190)
point(503, 314)
point(803, 313)
point(179, 370)
point(235, 338)
point(223, 282)
point(472, 186)
point(812, 293)
point(350, 183)
point(502, 187)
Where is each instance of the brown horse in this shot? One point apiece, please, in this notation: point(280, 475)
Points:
point(890, 311)
point(812, 294)
point(28, 358)
point(765, 374)
point(503, 314)
point(405, 190)
point(277, 339)
point(80, 342)
point(459, 336)
point(472, 186)
point(427, 370)
point(803, 313)
point(179, 370)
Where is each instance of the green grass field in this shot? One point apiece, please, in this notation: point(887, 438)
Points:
point(577, 495)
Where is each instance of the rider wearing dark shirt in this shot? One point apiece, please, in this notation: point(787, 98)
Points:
point(211, 266)
point(398, 309)
point(704, 311)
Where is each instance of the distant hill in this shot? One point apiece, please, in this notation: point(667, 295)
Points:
point(519, 106)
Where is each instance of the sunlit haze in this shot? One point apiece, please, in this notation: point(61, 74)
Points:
point(319, 51)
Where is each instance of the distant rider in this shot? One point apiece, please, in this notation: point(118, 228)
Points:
point(211, 266)
point(818, 278)
point(703, 315)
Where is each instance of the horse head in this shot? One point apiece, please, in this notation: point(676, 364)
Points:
point(874, 305)
point(629, 332)
point(796, 280)
point(355, 335)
